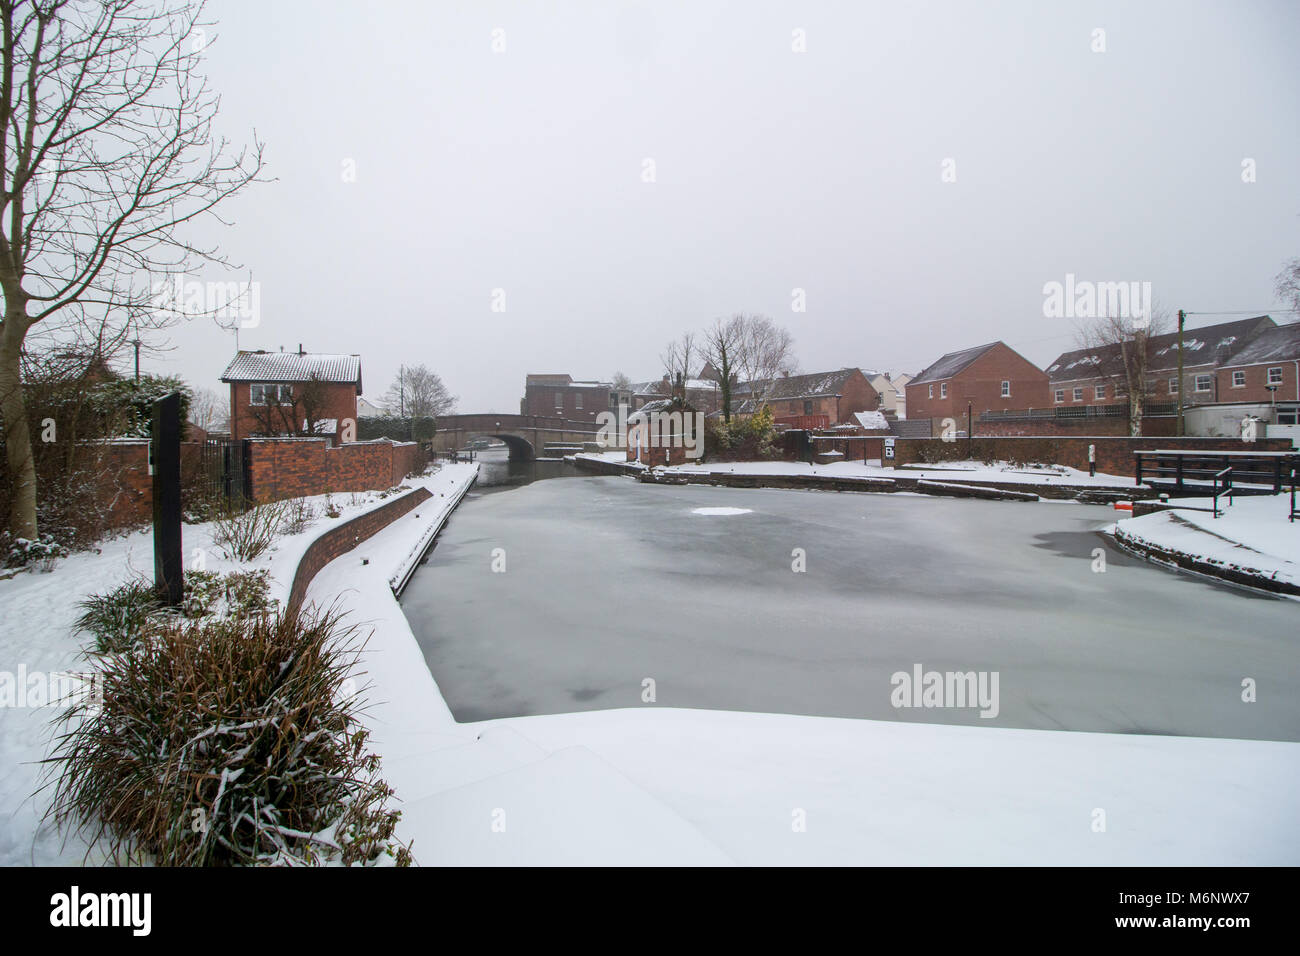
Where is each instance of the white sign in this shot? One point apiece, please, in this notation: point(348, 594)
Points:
point(889, 448)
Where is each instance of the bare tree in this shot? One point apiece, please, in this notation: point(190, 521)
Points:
point(419, 393)
point(1125, 352)
point(208, 410)
point(679, 355)
point(767, 353)
point(1288, 284)
point(108, 156)
point(724, 343)
point(620, 382)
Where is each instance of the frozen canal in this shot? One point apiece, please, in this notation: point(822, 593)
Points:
point(608, 583)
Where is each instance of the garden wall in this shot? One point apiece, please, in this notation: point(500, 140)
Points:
point(342, 539)
point(1114, 454)
point(123, 481)
point(297, 467)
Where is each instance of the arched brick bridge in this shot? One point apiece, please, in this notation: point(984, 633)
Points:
point(524, 435)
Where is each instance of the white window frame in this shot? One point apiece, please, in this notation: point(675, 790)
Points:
point(1078, 393)
point(1238, 378)
point(932, 391)
point(943, 389)
point(1209, 383)
point(1173, 386)
point(1006, 388)
point(1275, 379)
point(1099, 393)
point(283, 391)
point(1060, 395)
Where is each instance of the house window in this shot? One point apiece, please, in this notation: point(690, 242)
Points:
point(1060, 394)
point(577, 401)
point(1202, 383)
point(270, 394)
point(1173, 386)
point(932, 391)
point(807, 407)
point(943, 390)
point(559, 401)
point(1275, 376)
point(1078, 394)
point(1288, 416)
point(1239, 379)
point(1098, 392)
point(1006, 388)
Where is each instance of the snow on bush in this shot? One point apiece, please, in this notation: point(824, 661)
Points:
point(227, 741)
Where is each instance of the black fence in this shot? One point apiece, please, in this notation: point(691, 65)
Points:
point(1179, 468)
point(223, 468)
point(1076, 412)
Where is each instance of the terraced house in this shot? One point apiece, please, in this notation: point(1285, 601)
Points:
point(1095, 376)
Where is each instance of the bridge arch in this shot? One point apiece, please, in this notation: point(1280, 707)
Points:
point(524, 435)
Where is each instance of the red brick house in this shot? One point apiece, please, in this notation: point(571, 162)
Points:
point(703, 393)
point(1271, 358)
point(985, 378)
point(834, 396)
point(560, 396)
point(1096, 376)
point(272, 392)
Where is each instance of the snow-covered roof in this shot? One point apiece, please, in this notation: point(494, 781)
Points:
point(1280, 344)
point(872, 420)
point(1108, 360)
point(950, 364)
point(293, 367)
point(787, 387)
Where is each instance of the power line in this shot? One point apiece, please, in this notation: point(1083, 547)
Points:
point(1245, 312)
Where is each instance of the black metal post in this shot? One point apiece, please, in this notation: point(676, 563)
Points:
point(165, 450)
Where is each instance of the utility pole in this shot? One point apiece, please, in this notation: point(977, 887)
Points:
point(1182, 316)
point(136, 343)
point(401, 391)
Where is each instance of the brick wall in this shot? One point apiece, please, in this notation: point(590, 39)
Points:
point(123, 481)
point(1114, 454)
point(297, 467)
point(1256, 379)
point(342, 539)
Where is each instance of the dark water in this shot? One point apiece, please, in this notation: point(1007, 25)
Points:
point(498, 471)
point(608, 583)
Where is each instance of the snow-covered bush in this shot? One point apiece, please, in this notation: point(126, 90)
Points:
point(228, 741)
point(245, 535)
point(26, 553)
point(299, 513)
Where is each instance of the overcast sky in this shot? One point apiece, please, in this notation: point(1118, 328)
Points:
point(775, 170)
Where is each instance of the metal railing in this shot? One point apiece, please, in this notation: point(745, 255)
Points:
point(1182, 467)
point(1075, 412)
point(1225, 477)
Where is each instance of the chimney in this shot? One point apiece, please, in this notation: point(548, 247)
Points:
point(679, 387)
point(299, 348)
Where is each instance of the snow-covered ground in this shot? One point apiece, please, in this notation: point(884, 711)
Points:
point(1252, 535)
point(1001, 472)
point(37, 614)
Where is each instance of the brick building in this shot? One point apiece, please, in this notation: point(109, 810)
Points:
point(560, 396)
point(703, 393)
point(273, 393)
point(1095, 376)
point(1272, 357)
point(985, 378)
point(833, 395)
